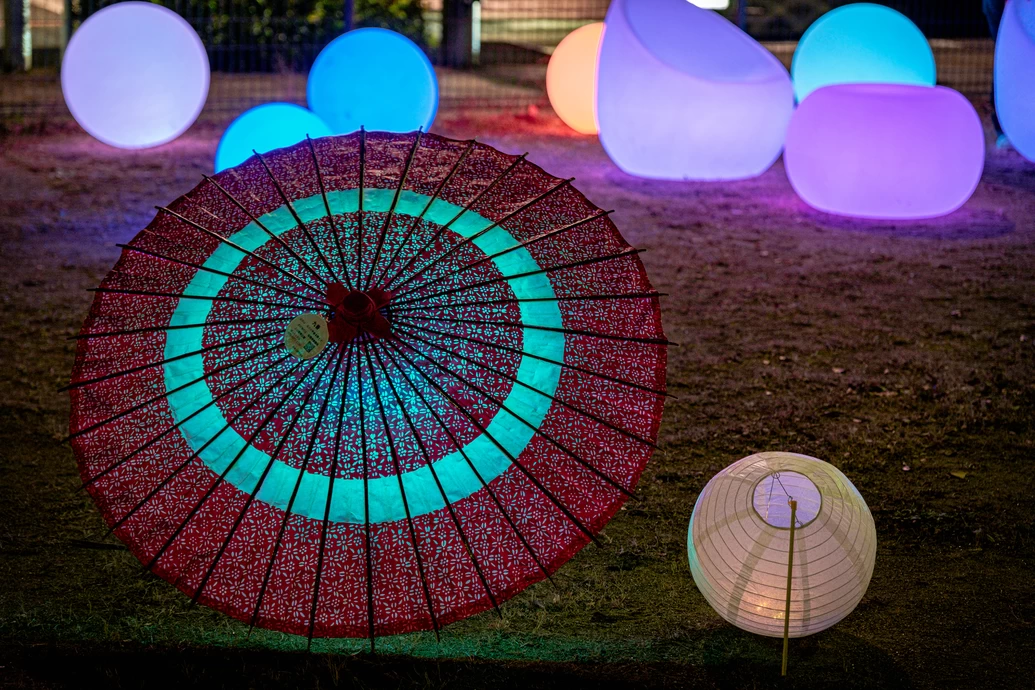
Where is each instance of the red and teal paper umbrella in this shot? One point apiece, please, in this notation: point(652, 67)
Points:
point(368, 384)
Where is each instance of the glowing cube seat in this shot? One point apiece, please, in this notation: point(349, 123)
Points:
point(1015, 76)
point(684, 94)
point(885, 150)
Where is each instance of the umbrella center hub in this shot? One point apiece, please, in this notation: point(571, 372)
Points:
point(355, 313)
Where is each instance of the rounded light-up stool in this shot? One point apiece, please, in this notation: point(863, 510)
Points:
point(739, 538)
point(264, 128)
point(571, 78)
point(885, 150)
point(135, 75)
point(684, 94)
point(1014, 76)
point(373, 78)
point(861, 43)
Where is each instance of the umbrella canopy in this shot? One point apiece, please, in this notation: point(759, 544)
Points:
point(368, 384)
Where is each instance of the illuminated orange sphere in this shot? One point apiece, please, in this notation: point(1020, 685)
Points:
point(571, 78)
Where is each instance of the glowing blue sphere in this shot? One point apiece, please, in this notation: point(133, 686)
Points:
point(267, 127)
point(373, 78)
point(135, 75)
point(1014, 95)
point(861, 43)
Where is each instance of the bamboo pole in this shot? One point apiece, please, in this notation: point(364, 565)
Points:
point(787, 605)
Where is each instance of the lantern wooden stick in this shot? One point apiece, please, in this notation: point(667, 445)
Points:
point(790, 576)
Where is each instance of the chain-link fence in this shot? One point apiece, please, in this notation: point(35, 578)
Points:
point(488, 53)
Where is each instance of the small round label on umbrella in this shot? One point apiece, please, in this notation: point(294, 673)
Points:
point(306, 336)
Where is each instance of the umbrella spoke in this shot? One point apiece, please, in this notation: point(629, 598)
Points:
point(381, 280)
point(330, 495)
point(172, 475)
point(229, 276)
point(361, 219)
point(366, 502)
point(504, 278)
point(262, 478)
point(468, 240)
point(438, 483)
point(177, 425)
point(522, 353)
point(471, 418)
point(468, 205)
point(298, 483)
point(183, 295)
point(162, 329)
point(294, 214)
point(230, 243)
point(518, 324)
point(402, 489)
point(467, 459)
point(140, 406)
point(519, 300)
point(143, 367)
point(530, 241)
point(391, 209)
point(548, 396)
point(330, 216)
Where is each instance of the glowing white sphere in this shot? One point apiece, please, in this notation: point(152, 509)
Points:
point(739, 537)
point(861, 43)
point(1014, 92)
point(571, 78)
point(135, 75)
point(374, 78)
point(264, 128)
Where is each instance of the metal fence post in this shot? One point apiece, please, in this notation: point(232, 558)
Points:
point(17, 36)
point(457, 26)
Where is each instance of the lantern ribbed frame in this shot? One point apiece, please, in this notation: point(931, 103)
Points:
point(739, 561)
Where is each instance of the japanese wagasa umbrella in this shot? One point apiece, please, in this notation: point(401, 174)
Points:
point(368, 384)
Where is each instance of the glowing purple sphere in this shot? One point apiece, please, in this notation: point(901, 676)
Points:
point(1014, 83)
point(891, 151)
point(682, 93)
point(135, 75)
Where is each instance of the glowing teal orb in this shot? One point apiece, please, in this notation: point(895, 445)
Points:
point(861, 43)
point(373, 78)
point(267, 127)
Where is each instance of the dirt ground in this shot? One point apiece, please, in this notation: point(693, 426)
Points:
point(900, 352)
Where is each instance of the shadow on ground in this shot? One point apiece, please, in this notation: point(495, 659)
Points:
point(731, 659)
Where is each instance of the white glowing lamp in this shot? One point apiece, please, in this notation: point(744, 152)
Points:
point(1014, 92)
point(135, 75)
point(683, 94)
point(739, 544)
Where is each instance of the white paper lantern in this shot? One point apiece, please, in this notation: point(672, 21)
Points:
point(1014, 95)
point(739, 537)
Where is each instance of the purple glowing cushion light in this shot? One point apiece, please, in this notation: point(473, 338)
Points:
point(889, 151)
point(684, 94)
point(135, 75)
point(1015, 76)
